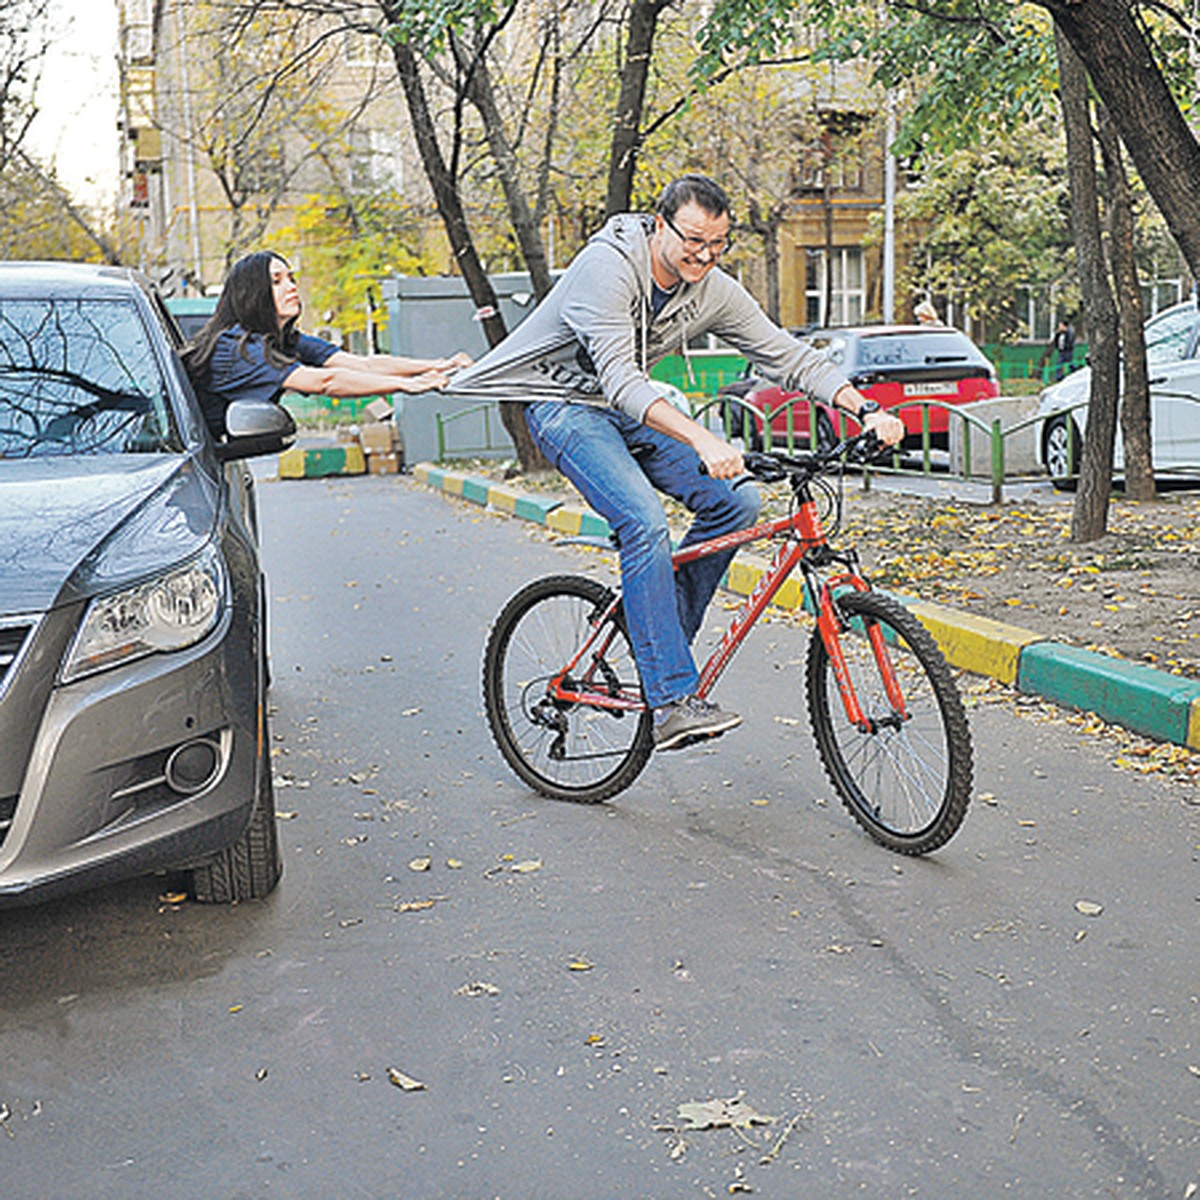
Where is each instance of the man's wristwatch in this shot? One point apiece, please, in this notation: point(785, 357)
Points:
point(866, 407)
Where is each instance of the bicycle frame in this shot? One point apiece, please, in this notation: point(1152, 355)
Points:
point(805, 545)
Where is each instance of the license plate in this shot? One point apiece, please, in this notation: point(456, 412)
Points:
point(931, 389)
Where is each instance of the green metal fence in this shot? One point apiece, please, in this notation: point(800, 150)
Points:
point(756, 427)
point(477, 430)
point(979, 448)
point(1030, 361)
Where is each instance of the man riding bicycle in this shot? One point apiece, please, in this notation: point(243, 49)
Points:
point(639, 290)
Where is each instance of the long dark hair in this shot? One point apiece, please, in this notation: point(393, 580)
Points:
point(247, 300)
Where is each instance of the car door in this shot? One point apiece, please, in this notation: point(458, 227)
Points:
point(1172, 348)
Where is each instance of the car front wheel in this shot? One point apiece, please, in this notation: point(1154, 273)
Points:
point(1060, 451)
point(251, 867)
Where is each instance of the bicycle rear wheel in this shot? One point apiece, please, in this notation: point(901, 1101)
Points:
point(906, 778)
point(565, 750)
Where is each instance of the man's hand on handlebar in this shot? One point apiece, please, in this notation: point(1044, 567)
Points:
point(720, 459)
point(886, 427)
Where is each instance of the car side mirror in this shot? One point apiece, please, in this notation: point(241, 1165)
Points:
point(256, 427)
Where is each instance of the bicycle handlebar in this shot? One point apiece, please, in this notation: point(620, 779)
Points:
point(771, 466)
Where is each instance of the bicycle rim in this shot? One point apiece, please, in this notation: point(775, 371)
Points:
point(905, 779)
point(566, 751)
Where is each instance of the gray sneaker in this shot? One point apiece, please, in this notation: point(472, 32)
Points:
point(689, 720)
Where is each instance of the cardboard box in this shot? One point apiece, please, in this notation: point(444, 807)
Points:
point(378, 437)
point(378, 410)
point(384, 464)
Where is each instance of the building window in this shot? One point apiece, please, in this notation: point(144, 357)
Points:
point(846, 289)
point(264, 172)
point(374, 163)
point(833, 158)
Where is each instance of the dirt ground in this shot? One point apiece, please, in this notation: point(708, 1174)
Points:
point(1135, 592)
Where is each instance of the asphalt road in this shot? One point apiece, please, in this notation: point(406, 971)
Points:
point(947, 1027)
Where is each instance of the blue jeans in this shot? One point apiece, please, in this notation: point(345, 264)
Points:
point(616, 463)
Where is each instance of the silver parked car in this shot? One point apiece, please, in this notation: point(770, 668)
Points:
point(133, 729)
point(1173, 360)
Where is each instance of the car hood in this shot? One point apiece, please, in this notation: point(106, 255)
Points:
point(73, 527)
point(1070, 389)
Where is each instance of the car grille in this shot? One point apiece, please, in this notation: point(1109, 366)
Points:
point(12, 641)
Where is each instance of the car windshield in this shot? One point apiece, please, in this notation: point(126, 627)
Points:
point(1168, 334)
point(914, 349)
point(927, 348)
point(79, 376)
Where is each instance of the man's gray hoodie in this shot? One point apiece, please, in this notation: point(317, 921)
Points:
point(594, 338)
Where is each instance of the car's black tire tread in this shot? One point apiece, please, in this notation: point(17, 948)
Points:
point(252, 866)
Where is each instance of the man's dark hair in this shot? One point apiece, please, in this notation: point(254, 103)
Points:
point(698, 189)
point(246, 300)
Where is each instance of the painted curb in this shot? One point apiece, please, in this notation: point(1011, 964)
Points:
point(1131, 694)
point(576, 522)
point(319, 462)
point(1137, 697)
point(974, 643)
point(518, 504)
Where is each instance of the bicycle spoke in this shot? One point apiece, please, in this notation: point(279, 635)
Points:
point(908, 785)
point(565, 748)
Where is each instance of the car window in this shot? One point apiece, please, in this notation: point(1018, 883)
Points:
point(833, 344)
point(80, 376)
point(1168, 334)
point(916, 349)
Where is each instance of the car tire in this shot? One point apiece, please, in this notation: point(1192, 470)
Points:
point(251, 867)
point(1061, 445)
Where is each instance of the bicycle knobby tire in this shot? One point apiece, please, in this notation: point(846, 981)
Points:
point(567, 751)
point(905, 779)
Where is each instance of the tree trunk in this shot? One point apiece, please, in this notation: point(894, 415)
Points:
point(1090, 516)
point(449, 205)
point(1135, 387)
point(767, 228)
point(627, 127)
point(1107, 37)
point(529, 237)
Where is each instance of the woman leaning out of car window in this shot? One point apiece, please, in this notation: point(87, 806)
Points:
point(250, 349)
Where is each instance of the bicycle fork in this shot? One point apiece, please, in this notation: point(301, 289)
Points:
point(831, 626)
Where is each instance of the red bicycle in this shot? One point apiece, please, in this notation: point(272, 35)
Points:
point(564, 701)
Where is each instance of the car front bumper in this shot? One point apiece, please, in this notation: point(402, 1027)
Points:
point(140, 767)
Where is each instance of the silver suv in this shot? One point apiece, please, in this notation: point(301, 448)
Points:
point(133, 670)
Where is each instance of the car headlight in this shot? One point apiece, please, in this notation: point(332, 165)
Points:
point(171, 612)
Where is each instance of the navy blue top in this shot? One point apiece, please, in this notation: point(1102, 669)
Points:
point(243, 373)
point(659, 296)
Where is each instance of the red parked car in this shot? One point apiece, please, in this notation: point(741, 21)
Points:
point(898, 365)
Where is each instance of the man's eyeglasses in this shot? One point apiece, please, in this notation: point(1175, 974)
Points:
point(694, 245)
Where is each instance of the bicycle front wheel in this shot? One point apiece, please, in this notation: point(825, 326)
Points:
point(567, 750)
point(905, 774)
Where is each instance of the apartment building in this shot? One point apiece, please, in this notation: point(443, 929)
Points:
point(230, 127)
point(222, 152)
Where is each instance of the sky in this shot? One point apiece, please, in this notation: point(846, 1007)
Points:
point(76, 126)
